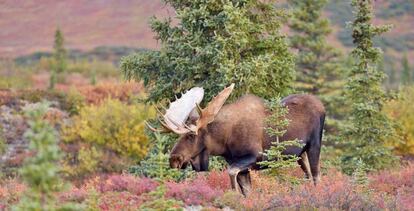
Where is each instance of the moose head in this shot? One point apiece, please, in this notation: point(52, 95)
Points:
point(186, 118)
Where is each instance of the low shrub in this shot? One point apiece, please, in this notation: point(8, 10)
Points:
point(195, 192)
point(121, 91)
point(211, 191)
point(391, 181)
point(11, 190)
point(105, 138)
point(128, 183)
point(156, 163)
point(402, 111)
point(156, 200)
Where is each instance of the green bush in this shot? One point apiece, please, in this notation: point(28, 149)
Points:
point(156, 165)
point(12, 76)
point(96, 68)
point(40, 172)
point(402, 111)
point(156, 200)
point(74, 101)
point(111, 133)
point(2, 142)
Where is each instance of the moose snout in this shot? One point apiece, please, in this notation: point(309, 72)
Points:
point(176, 161)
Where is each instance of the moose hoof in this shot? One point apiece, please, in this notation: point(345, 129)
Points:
point(316, 180)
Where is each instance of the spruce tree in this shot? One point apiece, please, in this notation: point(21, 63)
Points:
point(276, 161)
point(40, 172)
point(59, 55)
point(216, 43)
point(406, 72)
point(391, 75)
point(156, 165)
point(369, 128)
point(319, 67)
point(317, 64)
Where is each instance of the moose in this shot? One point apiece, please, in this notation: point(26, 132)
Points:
point(237, 132)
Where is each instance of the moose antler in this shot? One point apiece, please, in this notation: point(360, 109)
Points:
point(179, 111)
point(187, 106)
point(208, 114)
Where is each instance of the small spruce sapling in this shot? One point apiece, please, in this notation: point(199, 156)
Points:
point(275, 160)
point(156, 165)
point(40, 172)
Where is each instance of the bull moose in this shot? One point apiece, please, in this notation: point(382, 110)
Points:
point(236, 132)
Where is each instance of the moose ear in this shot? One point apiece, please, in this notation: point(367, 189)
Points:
point(209, 113)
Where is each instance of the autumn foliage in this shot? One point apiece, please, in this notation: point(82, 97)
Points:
point(390, 189)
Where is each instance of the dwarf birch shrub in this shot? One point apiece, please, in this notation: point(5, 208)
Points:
point(402, 111)
point(110, 133)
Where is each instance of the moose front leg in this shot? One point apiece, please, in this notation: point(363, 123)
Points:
point(200, 162)
point(239, 173)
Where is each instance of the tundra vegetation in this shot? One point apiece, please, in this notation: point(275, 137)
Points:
point(73, 136)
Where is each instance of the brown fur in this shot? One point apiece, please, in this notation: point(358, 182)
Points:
point(237, 133)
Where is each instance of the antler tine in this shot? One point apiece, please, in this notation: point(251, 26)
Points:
point(158, 110)
point(191, 129)
point(172, 121)
point(179, 130)
point(163, 107)
point(152, 128)
point(165, 125)
point(199, 109)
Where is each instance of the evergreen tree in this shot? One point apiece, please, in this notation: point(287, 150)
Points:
point(391, 75)
point(59, 56)
point(318, 67)
point(369, 128)
point(406, 72)
point(359, 176)
point(59, 52)
point(40, 172)
point(156, 165)
point(276, 161)
point(216, 43)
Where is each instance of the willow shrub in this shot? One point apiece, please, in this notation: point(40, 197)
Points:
point(112, 131)
point(402, 111)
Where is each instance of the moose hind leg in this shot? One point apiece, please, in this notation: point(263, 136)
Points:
point(245, 182)
point(313, 156)
point(304, 165)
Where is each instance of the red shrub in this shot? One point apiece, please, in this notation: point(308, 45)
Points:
point(193, 192)
point(217, 180)
point(10, 192)
point(405, 198)
point(119, 201)
point(335, 191)
point(122, 91)
point(129, 183)
point(390, 181)
point(74, 195)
